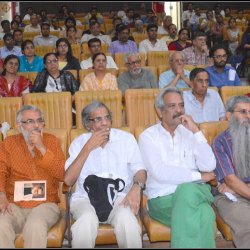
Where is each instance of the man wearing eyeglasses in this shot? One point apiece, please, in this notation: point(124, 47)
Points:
point(136, 77)
point(112, 154)
point(29, 156)
point(220, 74)
point(232, 152)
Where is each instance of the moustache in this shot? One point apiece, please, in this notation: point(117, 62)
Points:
point(36, 129)
point(177, 115)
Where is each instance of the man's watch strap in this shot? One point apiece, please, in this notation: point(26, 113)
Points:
point(140, 184)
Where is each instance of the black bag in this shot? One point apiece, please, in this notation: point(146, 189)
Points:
point(102, 193)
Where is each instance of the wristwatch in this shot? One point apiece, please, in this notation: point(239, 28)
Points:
point(140, 184)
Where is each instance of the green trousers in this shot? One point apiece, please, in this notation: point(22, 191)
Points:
point(189, 214)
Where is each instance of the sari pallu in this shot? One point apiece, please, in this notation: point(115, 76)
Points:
point(17, 87)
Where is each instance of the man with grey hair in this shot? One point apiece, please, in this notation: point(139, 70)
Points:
point(30, 155)
point(179, 163)
point(177, 76)
point(232, 152)
point(136, 77)
point(111, 156)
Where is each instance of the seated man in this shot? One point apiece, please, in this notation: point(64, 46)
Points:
point(231, 149)
point(179, 162)
point(203, 104)
point(9, 48)
point(220, 74)
point(198, 54)
point(177, 76)
point(136, 77)
point(45, 39)
point(152, 43)
point(29, 156)
point(94, 45)
point(114, 156)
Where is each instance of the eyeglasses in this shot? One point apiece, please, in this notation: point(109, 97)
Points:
point(31, 122)
point(134, 63)
point(52, 61)
point(99, 119)
point(221, 56)
point(63, 46)
point(243, 111)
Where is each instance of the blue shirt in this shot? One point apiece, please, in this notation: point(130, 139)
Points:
point(222, 79)
point(4, 52)
point(211, 110)
point(118, 47)
point(168, 76)
point(35, 66)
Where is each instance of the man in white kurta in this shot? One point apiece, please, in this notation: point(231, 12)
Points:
point(108, 153)
point(179, 162)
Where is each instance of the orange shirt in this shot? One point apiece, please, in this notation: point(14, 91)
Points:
point(17, 164)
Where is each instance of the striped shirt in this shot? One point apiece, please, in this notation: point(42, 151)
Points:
point(222, 148)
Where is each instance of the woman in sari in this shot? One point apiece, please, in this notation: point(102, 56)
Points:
point(11, 84)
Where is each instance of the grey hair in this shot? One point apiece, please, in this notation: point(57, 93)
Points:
point(170, 60)
point(233, 101)
point(86, 112)
point(159, 101)
point(19, 115)
point(131, 54)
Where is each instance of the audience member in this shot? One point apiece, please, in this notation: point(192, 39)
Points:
point(152, 43)
point(178, 158)
point(172, 34)
point(30, 155)
point(167, 20)
point(186, 15)
point(231, 149)
point(5, 28)
point(34, 24)
point(177, 76)
point(198, 53)
point(64, 54)
point(18, 18)
point(202, 103)
point(9, 48)
point(88, 155)
point(136, 77)
point(29, 12)
point(45, 39)
point(99, 79)
point(123, 44)
point(96, 33)
point(29, 62)
point(182, 41)
point(18, 37)
point(71, 35)
point(11, 84)
point(95, 46)
point(94, 13)
point(220, 74)
point(51, 79)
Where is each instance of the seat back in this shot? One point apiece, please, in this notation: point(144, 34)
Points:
point(57, 108)
point(76, 50)
point(30, 75)
point(42, 50)
point(8, 109)
point(140, 108)
point(212, 129)
point(111, 98)
point(227, 92)
point(157, 58)
point(30, 35)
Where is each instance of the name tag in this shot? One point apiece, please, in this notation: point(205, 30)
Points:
point(30, 191)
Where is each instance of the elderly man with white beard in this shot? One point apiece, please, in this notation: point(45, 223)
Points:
point(232, 152)
point(136, 77)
